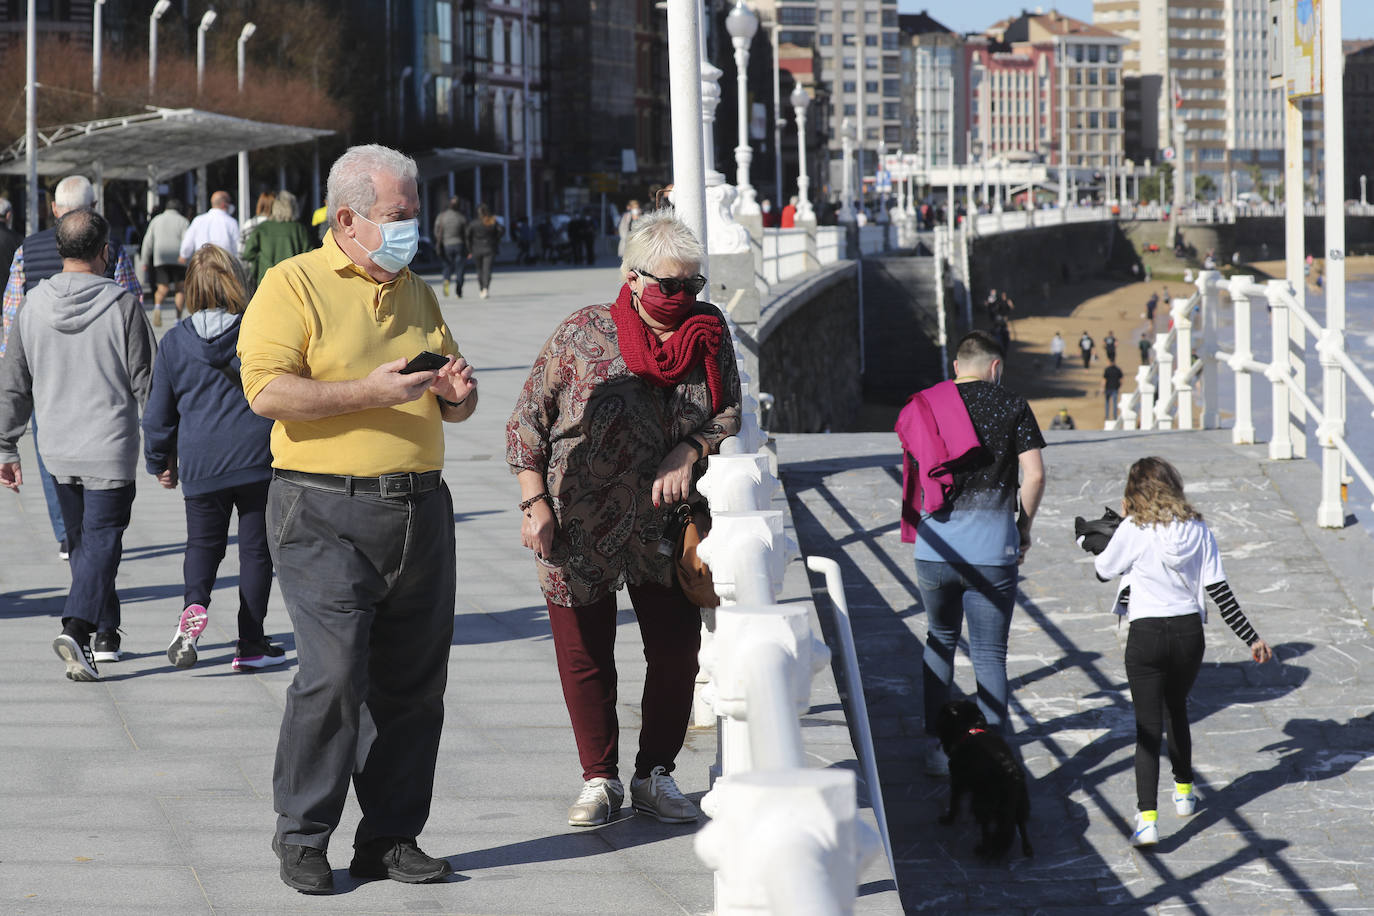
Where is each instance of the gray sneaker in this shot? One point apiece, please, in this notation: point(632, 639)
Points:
point(657, 795)
point(600, 799)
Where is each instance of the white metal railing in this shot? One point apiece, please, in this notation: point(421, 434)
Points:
point(1163, 395)
point(782, 254)
point(784, 838)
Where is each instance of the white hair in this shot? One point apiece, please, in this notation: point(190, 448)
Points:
point(660, 239)
point(74, 193)
point(350, 178)
point(5, 207)
point(284, 208)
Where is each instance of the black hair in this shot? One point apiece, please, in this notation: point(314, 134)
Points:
point(977, 345)
point(81, 234)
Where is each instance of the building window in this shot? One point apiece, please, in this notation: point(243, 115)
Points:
point(848, 39)
point(800, 39)
point(871, 17)
point(1094, 54)
point(871, 86)
point(892, 87)
point(827, 16)
point(825, 38)
point(443, 13)
point(892, 110)
point(1113, 54)
point(890, 41)
point(850, 86)
point(850, 111)
point(797, 15)
point(847, 16)
point(871, 41)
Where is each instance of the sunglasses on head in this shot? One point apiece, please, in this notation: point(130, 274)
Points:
point(671, 286)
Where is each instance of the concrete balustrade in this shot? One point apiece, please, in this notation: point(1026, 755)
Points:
point(747, 552)
point(787, 843)
point(738, 483)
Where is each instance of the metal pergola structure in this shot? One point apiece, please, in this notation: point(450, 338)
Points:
point(443, 162)
point(152, 146)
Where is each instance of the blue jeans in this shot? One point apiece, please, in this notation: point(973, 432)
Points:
point(985, 595)
point(1113, 397)
point(455, 266)
point(96, 520)
point(59, 528)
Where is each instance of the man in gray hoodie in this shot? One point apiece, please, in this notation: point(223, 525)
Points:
point(80, 356)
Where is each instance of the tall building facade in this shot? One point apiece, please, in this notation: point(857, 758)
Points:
point(932, 85)
point(1202, 67)
point(858, 44)
point(1048, 87)
point(1359, 119)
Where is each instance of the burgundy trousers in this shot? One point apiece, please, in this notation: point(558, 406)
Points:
point(584, 641)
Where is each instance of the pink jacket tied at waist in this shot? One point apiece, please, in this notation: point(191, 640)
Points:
point(936, 434)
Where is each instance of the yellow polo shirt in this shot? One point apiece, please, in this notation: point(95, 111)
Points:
point(320, 316)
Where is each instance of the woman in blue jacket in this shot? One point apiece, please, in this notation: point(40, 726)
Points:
point(199, 430)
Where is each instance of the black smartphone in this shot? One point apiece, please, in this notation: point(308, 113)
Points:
point(425, 362)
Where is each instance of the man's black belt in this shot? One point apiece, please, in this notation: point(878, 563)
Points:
point(388, 486)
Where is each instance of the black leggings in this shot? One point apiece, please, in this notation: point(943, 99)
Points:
point(1163, 656)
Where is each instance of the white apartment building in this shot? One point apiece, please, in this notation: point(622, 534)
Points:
point(932, 85)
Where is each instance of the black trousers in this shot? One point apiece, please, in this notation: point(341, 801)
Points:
point(369, 584)
point(207, 538)
point(1163, 657)
point(483, 269)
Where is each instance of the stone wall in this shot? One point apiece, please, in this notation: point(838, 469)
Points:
point(808, 342)
point(1033, 262)
point(1261, 238)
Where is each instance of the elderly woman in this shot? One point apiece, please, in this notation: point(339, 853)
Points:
point(620, 409)
point(279, 238)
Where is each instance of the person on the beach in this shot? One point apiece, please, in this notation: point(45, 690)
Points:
point(1109, 345)
point(1144, 345)
point(1111, 386)
point(1150, 305)
point(1168, 562)
point(1057, 350)
point(1085, 347)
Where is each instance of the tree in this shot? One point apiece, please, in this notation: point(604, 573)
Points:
point(1204, 187)
point(1150, 186)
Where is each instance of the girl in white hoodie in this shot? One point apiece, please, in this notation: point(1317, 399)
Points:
point(1168, 562)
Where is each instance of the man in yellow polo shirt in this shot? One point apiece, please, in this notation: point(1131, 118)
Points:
point(360, 523)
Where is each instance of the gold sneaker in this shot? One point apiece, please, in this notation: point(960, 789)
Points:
point(600, 799)
point(657, 795)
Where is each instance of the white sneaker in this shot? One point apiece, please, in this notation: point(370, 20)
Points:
point(1146, 832)
point(936, 763)
point(601, 798)
point(1185, 803)
point(657, 795)
point(182, 650)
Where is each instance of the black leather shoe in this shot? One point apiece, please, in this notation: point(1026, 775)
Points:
point(304, 867)
point(399, 859)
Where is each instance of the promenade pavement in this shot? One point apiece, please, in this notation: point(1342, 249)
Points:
point(1282, 752)
point(150, 791)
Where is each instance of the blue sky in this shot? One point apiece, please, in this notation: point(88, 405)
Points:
point(975, 15)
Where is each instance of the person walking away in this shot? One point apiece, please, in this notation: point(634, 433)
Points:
point(1057, 350)
point(1169, 565)
point(261, 214)
point(80, 356)
point(1111, 387)
point(1085, 347)
point(1145, 347)
point(161, 253)
point(199, 432)
point(34, 261)
point(360, 523)
point(1109, 345)
point(609, 435)
point(1151, 305)
point(484, 240)
point(450, 236)
point(281, 237)
point(626, 226)
point(965, 443)
point(213, 227)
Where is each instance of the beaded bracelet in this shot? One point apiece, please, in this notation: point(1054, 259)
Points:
point(526, 503)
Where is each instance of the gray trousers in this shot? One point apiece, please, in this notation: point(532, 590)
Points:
point(369, 585)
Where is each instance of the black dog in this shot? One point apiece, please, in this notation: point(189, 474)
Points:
point(982, 765)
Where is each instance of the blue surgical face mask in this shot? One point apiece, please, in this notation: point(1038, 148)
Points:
point(400, 241)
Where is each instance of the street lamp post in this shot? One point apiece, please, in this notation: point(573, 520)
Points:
point(742, 25)
point(846, 214)
point(778, 120)
point(162, 7)
point(247, 33)
point(97, 36)
point(1364, 201)
point(206, 22)
point(800, 100)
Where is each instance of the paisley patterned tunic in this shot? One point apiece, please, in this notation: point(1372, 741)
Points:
point(598, 433)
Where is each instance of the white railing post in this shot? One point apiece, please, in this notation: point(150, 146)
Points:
point(1281, 440)
point(1210, 285)
point(1180, 381)
point(1147, 397)
point(1331, 427)
point(1243, 432)
point(1164, 378)
point(787, 843)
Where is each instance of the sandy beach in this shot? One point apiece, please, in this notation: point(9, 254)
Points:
point(1101, 307)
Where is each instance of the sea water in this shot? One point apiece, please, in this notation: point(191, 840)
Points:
point(1359, 344)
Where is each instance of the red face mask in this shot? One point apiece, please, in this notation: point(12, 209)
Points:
point(666, 310)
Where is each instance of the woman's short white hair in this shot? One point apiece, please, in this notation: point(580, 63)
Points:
point(75, 192)
point(350, 177)
point(659, 239)
point(284, 208)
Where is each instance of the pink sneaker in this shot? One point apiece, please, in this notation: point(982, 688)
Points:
point(182, 651)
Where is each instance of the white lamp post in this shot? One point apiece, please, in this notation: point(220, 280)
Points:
point(247, 33)
point(846, 214)
point(205, 22)
point(162, 7)
point(800, 100)
point(778, 119)
point(1364, 201)
point(97, 29)
point(742, 25)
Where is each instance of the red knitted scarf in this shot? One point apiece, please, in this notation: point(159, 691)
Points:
point(696, 341)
